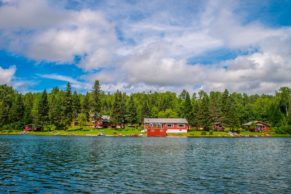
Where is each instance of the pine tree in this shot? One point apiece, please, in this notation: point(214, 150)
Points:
point(55, 111)
point(118, 113)
point(96, 101)
point(76, 106)
point(28, 104)
point(17, 110)
point(85, 108)
point(67, 106)
point(43, 110)
point(132, 111)
point(187, 108)
point(204, 113)
point(145, 110)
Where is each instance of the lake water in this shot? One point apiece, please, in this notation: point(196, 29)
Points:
point(144, 165)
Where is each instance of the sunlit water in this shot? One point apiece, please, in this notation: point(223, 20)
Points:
point(144, 165)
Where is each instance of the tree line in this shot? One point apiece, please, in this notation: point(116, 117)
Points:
point(59, 108)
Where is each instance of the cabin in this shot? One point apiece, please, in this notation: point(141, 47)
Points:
point(102, 122)
point(160, 127)
point(257, 126)
point(31, 127)
point(218, 126)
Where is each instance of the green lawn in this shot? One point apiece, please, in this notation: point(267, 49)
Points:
point(89, 131)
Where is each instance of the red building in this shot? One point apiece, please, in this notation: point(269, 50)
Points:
point(100, 122)
point(160, 127)
point(257, 126)
point(218, 126)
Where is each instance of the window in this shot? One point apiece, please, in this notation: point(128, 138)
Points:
point(169, 125)
point(181, 125)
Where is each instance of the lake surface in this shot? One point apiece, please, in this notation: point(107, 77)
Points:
point(39, 164)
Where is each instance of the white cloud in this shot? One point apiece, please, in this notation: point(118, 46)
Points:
point(74, 83)
point(6, 75)
point(156, 48)
point(42, 31)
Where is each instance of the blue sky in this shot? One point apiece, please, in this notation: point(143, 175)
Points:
point(153, 45)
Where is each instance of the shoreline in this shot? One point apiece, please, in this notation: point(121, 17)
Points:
point(142, 136)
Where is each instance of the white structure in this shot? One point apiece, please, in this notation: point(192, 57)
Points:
point(175, 125)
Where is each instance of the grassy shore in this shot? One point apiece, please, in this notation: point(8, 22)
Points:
point(88, 131)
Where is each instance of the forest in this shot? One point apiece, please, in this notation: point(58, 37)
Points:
point(58, 109)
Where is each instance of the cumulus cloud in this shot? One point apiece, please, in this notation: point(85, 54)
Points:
point(6, 75)
point(42, 31)
point(150, 52)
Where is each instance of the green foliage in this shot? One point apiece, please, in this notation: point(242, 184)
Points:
point(119, 110)
point(168, 113)
point(96, 102)
point(57, 109)
point(131, 111)
point(82, 119)
point(283, 129)
point(49, 128)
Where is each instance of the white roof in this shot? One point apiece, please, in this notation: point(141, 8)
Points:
point(165, 120)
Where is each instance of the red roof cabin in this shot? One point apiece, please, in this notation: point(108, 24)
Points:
point(257, 126)
point(101, 122)
point(160, 127)
point(218, 126)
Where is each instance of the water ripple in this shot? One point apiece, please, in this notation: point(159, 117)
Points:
point(32, 164)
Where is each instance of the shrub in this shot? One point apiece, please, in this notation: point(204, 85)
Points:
point(49, 128)
point(211, 133)
point(283, 129)
point(13, 126)
point(203, 133)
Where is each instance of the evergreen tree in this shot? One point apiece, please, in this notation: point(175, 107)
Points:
point(186, 111)
point(132, 111)
point(118, 113)
point(96, 101)
point(17, 109)
point(145, 111)
point(85, 108)
point(43, 109)
point(55, 111)
point(28, 104)
point(204, 119)
point(76, 105)
point(67, 106)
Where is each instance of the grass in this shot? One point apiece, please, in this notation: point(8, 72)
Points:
point(89, 131)
point(80, 131)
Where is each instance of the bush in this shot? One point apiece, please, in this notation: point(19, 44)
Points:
point(203, 133)
point(283, 129)
point(211, 133)
point(13, 126)
point(49, 128)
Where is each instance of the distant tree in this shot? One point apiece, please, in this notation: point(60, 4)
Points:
point(186, 111)
point(55, 110)
point(17, 109)
point(168, 113)
point(204, 113)
point(118, 112)
point(145, 111)
point(132, 111)
point(43, 109)
point(85, 106)
point(76, 105)
point(82, 120)
point(96, 101)
point(67, 106)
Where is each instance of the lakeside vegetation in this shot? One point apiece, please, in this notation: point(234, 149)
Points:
point(57, 111)
point(137, 132)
